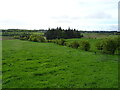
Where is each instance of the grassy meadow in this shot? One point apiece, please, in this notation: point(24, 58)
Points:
point(28, 64)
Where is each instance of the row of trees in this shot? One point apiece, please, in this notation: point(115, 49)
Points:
point(83, 45)
point(59, 33)
point(107, 45)
point(34, 38)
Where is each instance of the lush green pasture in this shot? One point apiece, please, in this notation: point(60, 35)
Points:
point(97, 35)
point(38, 33)
point(47, 65)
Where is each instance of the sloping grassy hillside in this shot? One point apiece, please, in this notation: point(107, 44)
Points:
point(47, 65)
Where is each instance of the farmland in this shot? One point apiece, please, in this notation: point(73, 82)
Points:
point(29, 64)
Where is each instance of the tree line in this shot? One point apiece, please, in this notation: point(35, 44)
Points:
point(107, 45)
point(59, 33)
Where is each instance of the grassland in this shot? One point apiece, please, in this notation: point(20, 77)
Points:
point(96, 35)
point(47, 65)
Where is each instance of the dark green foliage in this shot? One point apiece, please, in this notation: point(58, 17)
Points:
point(74, 44)
point(67, 44)
point(109, 45)
point(99, 45)
point(16, 37)
point(85, 45)
point(60, 33)
point(37, 38)
point(59, 41)
point(49, 41)
point(24, 37)
point(33, 38)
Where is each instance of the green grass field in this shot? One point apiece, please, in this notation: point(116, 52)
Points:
point(47, 65)
point(96, 35)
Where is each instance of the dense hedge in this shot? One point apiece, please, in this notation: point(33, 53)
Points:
point(85, 45)
point(34, 38)
point(37, 38)
point(109, 45)
point(74, 44)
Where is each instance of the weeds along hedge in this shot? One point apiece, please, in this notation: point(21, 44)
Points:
point(37, 38)
point(74, 44)
point(16, 37)
point(84, 45)
point(34, 38)
point(109, 45)
point(59, 41)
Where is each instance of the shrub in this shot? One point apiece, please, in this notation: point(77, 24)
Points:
point(22, 38)
point(61, 41)
point(85, 45)
point(37, 38)
point(55, 41)
point(99, 45)
point(50, 41)
point(41, 39)
point(67, 44)
point(109, 45)
point(33, 38)
point(16, 37)
point(74, 44)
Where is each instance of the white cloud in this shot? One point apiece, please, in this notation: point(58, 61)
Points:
point(36, 14)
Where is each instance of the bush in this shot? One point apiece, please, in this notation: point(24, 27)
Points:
point(37, 38)
point(109, 45)
point(22, 38)
point(99, 45)
point(85, 45)
point(16, 37)
point(55, 41)
point(42, 39)
point(50, 41)
point(59, 41)
point(67, 44)
point(74, 44)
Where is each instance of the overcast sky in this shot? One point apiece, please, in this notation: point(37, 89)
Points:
point(44, 14)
